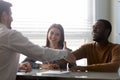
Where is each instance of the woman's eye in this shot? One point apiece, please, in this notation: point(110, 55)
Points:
point(52, 33)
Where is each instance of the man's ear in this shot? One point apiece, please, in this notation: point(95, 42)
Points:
point(107, 31)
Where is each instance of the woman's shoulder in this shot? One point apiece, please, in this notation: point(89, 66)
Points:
point(69, 49)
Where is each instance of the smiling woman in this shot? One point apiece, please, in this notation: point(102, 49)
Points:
point(33, 17)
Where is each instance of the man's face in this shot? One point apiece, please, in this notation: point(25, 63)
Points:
point(7, 19)
point(10, 19)
point(98, 31)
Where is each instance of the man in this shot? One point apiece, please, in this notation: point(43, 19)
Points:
point(101, 54)
point(13, 42)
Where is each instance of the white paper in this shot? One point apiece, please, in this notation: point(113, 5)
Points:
point(52, 72)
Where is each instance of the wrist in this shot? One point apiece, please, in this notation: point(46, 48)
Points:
point(70, 58)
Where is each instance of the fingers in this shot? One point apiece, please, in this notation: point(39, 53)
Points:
point(73, 69)
point(64, 45)
point(50, 66)
point(28, 67)
point(44, 66)
point(55, 66)
point(25, 66)
point(70, 58)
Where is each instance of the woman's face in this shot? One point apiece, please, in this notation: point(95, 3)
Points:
point(54, 35)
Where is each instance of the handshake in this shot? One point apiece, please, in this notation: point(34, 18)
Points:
point(70, 58)
point(53, 66)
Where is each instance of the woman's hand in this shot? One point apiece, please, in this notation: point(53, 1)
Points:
point(50, 66)
point(64, 45)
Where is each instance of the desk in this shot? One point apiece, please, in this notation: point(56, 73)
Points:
point(37, 75)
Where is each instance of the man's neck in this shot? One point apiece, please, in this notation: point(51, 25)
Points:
point(102, 44)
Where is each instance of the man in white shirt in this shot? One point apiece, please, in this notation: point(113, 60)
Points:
point(13, 42)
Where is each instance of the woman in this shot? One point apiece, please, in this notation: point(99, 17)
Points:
point(55, 40)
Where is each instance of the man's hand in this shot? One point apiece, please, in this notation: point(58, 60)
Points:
point(70, 58)
point(49, 66)
point(78, 68)
point(25, 66)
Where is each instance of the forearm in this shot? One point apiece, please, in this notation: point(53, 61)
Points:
point(105, 67)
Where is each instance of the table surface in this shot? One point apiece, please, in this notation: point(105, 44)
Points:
point(66, 75)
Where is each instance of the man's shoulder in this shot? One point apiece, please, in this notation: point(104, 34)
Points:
point(14, 33)
point(7, 32)
point(117, 46)
point(88, 45)
point(114, 44)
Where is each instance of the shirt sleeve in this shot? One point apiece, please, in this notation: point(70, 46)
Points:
point(18, 43)
point(111, 66)
point(80, 52)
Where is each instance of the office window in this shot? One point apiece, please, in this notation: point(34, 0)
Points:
point(34, 17)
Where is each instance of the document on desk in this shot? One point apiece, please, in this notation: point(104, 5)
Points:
point(52, 72)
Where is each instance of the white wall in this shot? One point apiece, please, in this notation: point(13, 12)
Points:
point(115, 17)
point(109, 9)
point(102, 9)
